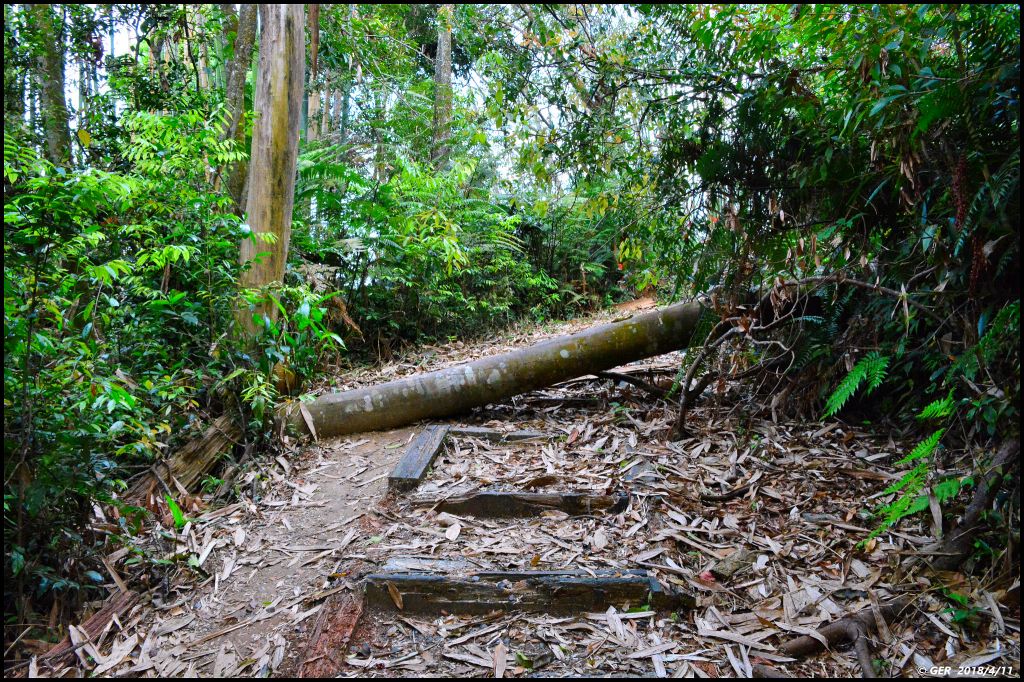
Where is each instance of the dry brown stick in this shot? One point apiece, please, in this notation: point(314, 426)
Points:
point(854, 628)
point(842, 279)
point(735, 492)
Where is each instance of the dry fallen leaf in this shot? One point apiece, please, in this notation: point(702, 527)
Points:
point(500, 654)
point(396, 596)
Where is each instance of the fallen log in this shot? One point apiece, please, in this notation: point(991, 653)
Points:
point(456, 389)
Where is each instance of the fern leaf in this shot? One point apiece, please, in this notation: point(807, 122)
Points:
point(939, 409)
point(871, 368)
point(924, 449)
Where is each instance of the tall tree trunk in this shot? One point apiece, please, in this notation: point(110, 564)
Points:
point(313, 104)
point(50, 67)
point(15, 80)
point(275, 148)
point(325, 116)
point(336, 121)
point(443, 85)
point(234, 96)
point(313, 117)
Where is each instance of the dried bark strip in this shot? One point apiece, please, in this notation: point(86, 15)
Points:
point(325, 655)
point(196, 458)
point(117, 605)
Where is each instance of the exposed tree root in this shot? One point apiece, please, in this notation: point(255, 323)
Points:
point(956, 548)
point(854, 629)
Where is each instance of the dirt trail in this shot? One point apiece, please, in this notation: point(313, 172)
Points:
point(267, 560)
point(758, 518)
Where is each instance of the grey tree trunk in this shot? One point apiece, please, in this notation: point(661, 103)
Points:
point(456, 389)
point(234, 96)
point(443, 86)
point(50, 76)
point(275, 148)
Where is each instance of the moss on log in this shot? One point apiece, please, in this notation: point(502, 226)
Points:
point(456, 389)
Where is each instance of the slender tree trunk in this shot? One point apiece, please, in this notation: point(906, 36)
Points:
point(313, 103)
point(275, 146)
point(325, 116)
point(234, 96)
point(313, 118)
point(443, 85)
point(50, 66)
point(336, 121)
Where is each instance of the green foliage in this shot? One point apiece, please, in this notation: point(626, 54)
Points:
point(176, 513)
point(690, 149)
point(115, 287)
point(870, 369)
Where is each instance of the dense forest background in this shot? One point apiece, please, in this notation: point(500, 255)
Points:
point(463, 167)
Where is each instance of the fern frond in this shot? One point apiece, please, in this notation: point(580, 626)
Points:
point(923, 449)
point(871, 368)
point(911, 484)
point(938, 409)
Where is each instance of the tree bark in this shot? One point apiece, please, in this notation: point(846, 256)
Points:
point(313, 105)
point(234, 96)
point(325, 115)
point(459, 388)
point(443, 86)
point(313, 115)
point(275, 147)
point(50, 74)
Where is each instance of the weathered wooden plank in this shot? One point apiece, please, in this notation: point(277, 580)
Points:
point(530, 591)
point(417, 459)
point(411, 564)
point(516, 504)
point(496, 435)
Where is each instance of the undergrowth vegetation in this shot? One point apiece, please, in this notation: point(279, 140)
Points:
point(867, 156)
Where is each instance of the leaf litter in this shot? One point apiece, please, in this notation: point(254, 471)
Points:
point(759, 518)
